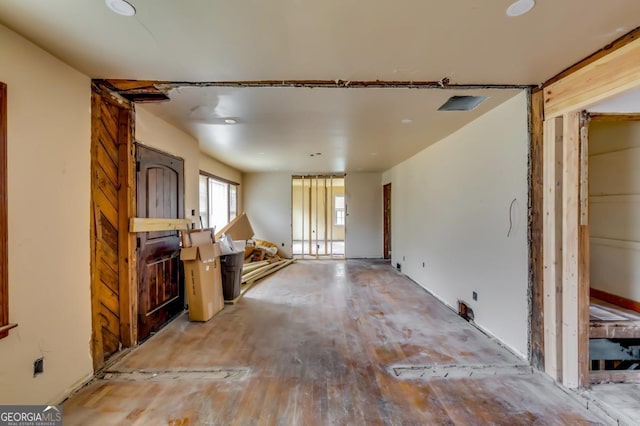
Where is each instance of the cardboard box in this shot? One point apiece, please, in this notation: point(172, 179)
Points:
point(238, 229)
point(203, 280)
point(196, 237)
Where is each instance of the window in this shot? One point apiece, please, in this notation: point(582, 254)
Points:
point(218, 201)
point(4, 260)
point(339, 208)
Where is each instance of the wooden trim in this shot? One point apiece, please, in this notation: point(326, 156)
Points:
point(4, 330)
point(596, 81)
point(141, 224)
point(221, 179)
point(4, 252)
point(126, 241)
point(552, 243)
point(602, 116)
point(4, 229)
point(616, 300)
point(611, 47)
point(536, 266)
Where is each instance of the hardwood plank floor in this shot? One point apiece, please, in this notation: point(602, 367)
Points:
point(318, 339)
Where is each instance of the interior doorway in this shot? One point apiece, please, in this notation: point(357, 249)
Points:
point(318, 216)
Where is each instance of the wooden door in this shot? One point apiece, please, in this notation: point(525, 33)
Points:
point(160, 195)
point(386, 201)
point(111, 187)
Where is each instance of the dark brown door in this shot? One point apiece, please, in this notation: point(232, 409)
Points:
point(386, 201)
point(160, 195)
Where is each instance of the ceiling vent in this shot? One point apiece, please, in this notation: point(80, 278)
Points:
point(462, 103)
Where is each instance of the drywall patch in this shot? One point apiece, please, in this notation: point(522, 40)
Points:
point(457, 371)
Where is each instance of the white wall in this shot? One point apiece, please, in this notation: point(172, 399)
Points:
point(614, 197)
point(364, 215)
point(267, 202)
point(451, 210)
point(154, 132)
point(49, 146)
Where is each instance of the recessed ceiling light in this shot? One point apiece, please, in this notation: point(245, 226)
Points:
point(121, 7)
point(407, 121)
point(230, 121)
point(520, 7)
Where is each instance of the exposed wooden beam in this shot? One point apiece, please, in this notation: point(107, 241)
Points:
point(596, 81)
point(611, 47)
point(570, 249)
point(552, 244)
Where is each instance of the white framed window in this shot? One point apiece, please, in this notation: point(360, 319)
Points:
point(338, 203)
point(218, 201)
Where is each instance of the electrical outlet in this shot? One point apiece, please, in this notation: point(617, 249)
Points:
point(475, 296)
point(423, 264)
point(403, 259)
point(38, 366)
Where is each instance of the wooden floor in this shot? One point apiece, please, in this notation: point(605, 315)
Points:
point(326, 343)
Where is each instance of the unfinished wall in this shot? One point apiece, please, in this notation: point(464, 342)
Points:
point(460, 206)
point(154, 132)
point(301, 213)
point(49, 146)
point(364, 215)
point(614, 206)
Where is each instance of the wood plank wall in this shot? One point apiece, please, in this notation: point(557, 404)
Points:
point(110, 242)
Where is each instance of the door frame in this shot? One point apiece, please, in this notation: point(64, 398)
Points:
point(610, 72)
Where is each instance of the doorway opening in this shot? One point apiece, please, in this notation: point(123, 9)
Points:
point(318, 216)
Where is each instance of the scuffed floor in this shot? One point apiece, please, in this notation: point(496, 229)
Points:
point(321, 343)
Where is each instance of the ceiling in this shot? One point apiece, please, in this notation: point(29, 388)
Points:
point(467, 41)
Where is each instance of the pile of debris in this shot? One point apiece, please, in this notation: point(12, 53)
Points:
point(261, 258)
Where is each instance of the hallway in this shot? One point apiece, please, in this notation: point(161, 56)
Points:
point(327, 343)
